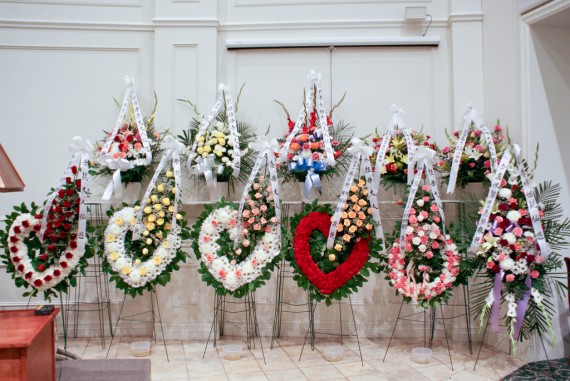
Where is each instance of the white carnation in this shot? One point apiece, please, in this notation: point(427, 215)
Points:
point(505, 193)
point(422, 248)
point(416, 240)
point(420, 202)
point(510, 237)
point(507, 264)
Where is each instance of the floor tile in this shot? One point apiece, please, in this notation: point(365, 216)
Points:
point(285, 375)
point(323, 372)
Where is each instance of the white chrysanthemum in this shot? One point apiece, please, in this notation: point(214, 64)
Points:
point(507, 264)
point(505, 193)
point(416, 240)
point(510, 237)
point(513, 215)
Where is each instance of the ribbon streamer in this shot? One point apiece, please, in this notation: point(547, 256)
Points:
point(489, 202)
point(360, 153)
point(114, 186)
point(171, 149)
point(532, 206)
point(80, 150)
point(314, 81)
point(265, 149)
point(522, 306)
point(471, 116)
point(395, 123)
point(234, 136)
point(423, 157)
point(496, 301)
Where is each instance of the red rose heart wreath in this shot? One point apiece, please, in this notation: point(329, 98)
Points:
point(336, 273)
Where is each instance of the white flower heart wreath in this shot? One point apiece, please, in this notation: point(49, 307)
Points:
point(136, 273)
point(19, 231)
point(234, 275)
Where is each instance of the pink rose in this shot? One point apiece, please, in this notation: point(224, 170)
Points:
point(412, 211)
point(258, 195)
point(510, 278)
point(436, 219)
point(254, 262)
point(233, 223)
point(209, 257)
point(429, 254)
point(207, 238)
point(257, 227)
point(425, 198)
point(435, 245)
point(263, 208)
point(445, 150)
point(433, 208)
point(425, 187)
point(412, 219)
point(238, 273)
point(487, 164)
point(222, 273)
point(517, 231)
point(255, 186)
point(246, 213)
point(255, 212)
point(534, 274)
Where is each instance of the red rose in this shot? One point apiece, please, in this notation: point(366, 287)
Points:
point(37, 227)
point(73, 244)
point(61, 193)
point(496, 269)
point(38, 282)
point(69, 214)
point(68, 180)
point(43, 256)
point(13, 249)
point(16, 259)
point(28, 275)
point(53, 237)
point(66, 204)
point(117, 139)
point(67, 226)
point(41, 267)
point(25, 224)
point(38, 216)
point(63, 264)
point(57, 225)
point(47, 278)
point(73, 235)
point(68, 255)
point(20, 268)
point(62, 235)
point(17, 230)
point(78, 184)
point(14, 239)
point(130, 138)
point(77, 201)
point(70, 192)
point(56, 273)
point(74, 170)
point(51, 247)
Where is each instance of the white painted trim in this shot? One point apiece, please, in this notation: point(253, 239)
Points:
point(68, 47)
point(186, 23)
point(465, 17)
point(273, 3)
point(76, 25)
point(545, 11)
point(525, 47)
point(328, 24)
point(134, 4)
point(322, 42)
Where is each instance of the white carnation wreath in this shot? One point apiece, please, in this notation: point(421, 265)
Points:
point(21, 228)
point(136, 273)
point(234, 275)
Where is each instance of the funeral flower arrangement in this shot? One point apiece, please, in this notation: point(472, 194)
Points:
point(126, 150)
point(49, 264)
point(336, 273)
point(215, 151)
point(475, 165)
point(306, 151)
point(242, 268)
point(395, 166)
point(426, 266)
point(509, 257)
point(141, 264)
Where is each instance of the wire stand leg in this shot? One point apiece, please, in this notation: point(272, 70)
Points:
point(446, 339)
point(481, 344)
point(468, 316)
point(64, 321)
point(393, 331)
point(116, 325)
point(159, 320)
point(214, 325)
point(311, 328)
point(355, 330)
point(546, 354)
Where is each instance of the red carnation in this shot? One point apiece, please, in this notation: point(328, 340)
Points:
point(28, 275)
point(37, 227)
point(503, 207)
point(17, 230)
point(74, 170)
point(117, 139)
point(56, 273)
point(57, 225)
point(68, 180)
point(43, 256)
point(496, 269)
point(38, 282)
point(38, 216)
point(67, 226)
point(47, 278)
point(66, 204)
point(53, 237)
point(73, 244)
point(14, 239)
point(62, 235)
point(69, 214)
point(73, 235)
point(51, 247)
point(41, 267)
point(130, 138)
point(61, 193)
point(78, 200)
point(63, 264)
point(504, 242)
point(16, 259)
point(78, 183)
point(20, 268)
point(25, 224)
point(70, 192)
point(13, 249)
point(68, 255)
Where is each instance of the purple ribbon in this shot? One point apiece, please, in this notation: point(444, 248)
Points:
point(496, 301)
point(522, 306)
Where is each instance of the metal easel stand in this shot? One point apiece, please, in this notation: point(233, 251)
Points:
point(427, 322)
point(539, 339)
point(93, 272)
point(251, 325)
point(311, 333)
point(156, 318)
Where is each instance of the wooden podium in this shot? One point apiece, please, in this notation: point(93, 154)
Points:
point(27, 346)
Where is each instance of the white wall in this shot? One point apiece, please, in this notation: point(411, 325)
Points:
point(63, 62)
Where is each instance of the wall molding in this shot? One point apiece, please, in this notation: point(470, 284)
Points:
point(545, 11)
point(129, 4)
point(77, 25)
point(185, 23)
point(466, 17)
point(261, 3)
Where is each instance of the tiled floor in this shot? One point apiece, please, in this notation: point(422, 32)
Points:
point(282, 363)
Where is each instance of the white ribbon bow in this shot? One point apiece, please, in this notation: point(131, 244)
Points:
point(357, 146)
point(169, 144)
point(79, 146)
point(261, 145)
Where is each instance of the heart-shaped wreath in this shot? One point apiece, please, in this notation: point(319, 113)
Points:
point(138, 265)
point(52, 265)
point(336, 273)
point(237, 271)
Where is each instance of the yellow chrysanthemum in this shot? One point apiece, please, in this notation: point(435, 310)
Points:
point(151, 218)
point(160, 221)
point(143, 271)
point(119, 222)
point(126, 270)
point(110, 238)
point(133, 221)
point(114, 256)
point(157, 207)
point(147, 209)
point(166, 201)
point(169, 174)
point(160, 187)
point(157, 260)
